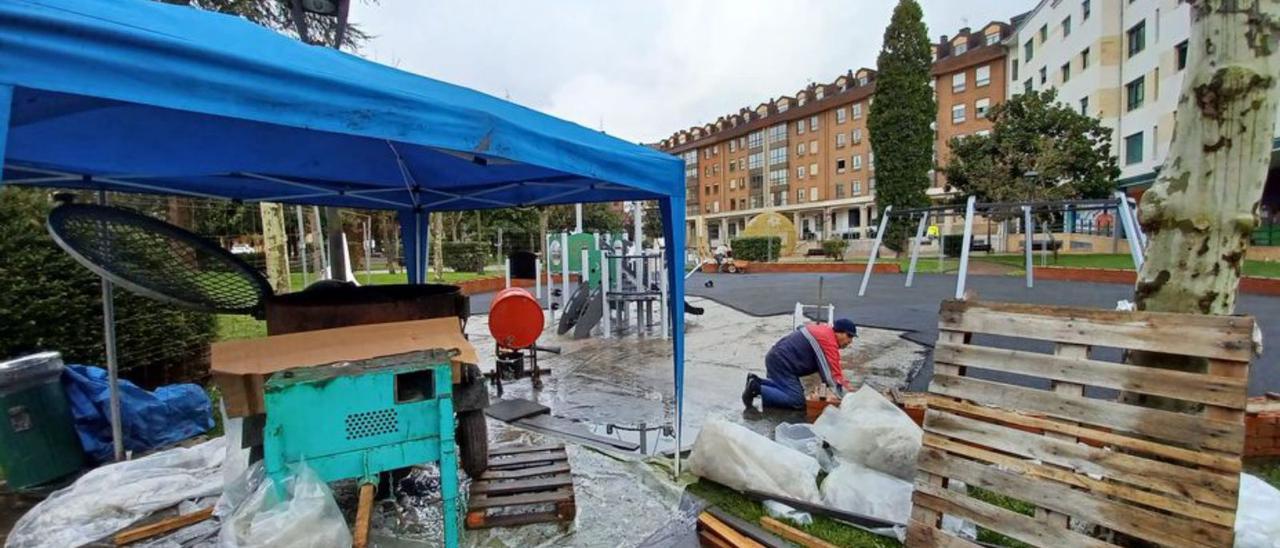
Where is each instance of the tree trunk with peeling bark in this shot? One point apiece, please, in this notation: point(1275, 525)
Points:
point(1201, 211)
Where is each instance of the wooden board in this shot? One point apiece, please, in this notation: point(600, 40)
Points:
point(794, 535)
point(1170, 477)
point(161, 527)
point(727, 536)
point(521, 482)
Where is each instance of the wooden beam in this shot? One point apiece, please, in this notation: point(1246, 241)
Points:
point(730, 535)
point(794, 535)
point(161, 527)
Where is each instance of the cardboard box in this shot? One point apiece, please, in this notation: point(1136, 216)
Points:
point(241, 368)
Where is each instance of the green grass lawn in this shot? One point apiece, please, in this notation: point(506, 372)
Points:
point(383, 278)
point(824, 528)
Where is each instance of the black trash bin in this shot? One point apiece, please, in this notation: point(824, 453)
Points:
point(523, 265)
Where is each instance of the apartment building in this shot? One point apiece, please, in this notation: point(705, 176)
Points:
point(1121, 61)
point(806, 155)
point(968, 79)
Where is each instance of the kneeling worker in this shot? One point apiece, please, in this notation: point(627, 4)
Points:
point(813, 348)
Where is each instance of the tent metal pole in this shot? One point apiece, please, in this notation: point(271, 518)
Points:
point(964, 247)
point(875, 249)
point(1028, 228)
point(915, 247)
point(113, 364)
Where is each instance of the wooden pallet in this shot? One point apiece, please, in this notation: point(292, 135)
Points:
point(1167, 477)
point(522, 483)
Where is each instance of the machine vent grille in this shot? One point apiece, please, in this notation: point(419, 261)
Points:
point(372, 423)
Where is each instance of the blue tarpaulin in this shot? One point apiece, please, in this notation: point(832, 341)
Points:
point(150, 419)
point(143, 96)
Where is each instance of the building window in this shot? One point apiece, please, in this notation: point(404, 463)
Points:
point(960, 48)
point(1137, 36)
point(778, 133)
point(957, 114)
point(755, 160)
point(1181, 53)
point(993, 38)
point(871, 183)
point(1135, 92)
point(1029, 51)
point(755, 139)
point(857, 135)
point(733, 166)
point(862, 80)
point(1084, 106)
point(813, 123)
point(1066, 72)
point(1084, 58)
point(1026, 86)
point(839, 190)
point(857, 110)
point(982, 75)
point(1133, 149)
point(857, 187)
point(813, 170)
point(813, 146)
point(800, 149)
point(840, 165)
point(980, 107)
point(813, 193)
point(777, 177)
point(802, 172)
point(799, 195)
point(957, 82)
point(984, 132)
point(841, 115)
point(733, 145)
point(1066, 27)
point(1044, 33)
point(778, 156)
point(1014, 70)
point(1044, 76)
point(800, 127)
point(841, 140)
point(1085, 10)
point(857, 162)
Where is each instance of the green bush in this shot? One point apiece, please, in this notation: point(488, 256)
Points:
point(757, 248)
point(49, 302)
point(465, 256)
point(834, 249)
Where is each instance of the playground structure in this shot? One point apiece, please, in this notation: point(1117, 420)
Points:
point(1099, 211)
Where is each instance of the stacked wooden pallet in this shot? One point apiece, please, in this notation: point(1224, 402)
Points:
point(522, 485)
point(1166, 476)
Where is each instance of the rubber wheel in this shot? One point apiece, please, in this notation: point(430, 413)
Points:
point(473, 442)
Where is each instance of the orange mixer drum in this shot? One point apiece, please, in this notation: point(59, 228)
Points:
point(515, 318)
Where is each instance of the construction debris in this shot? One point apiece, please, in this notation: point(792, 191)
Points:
point(736, 457)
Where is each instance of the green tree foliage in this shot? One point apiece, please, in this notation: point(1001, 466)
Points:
point(50, 302)
point(1038, 149)
point(901, 115)
point(757, 248)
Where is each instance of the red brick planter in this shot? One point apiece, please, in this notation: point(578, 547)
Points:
point(1248, 284)
point(1262, 428)
point(492, 284)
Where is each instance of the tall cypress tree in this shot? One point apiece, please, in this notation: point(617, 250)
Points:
point(901, 114)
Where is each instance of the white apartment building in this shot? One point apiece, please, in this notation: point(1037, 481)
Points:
point(1119, 60)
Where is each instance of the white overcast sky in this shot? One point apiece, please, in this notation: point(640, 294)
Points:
point(642, 69)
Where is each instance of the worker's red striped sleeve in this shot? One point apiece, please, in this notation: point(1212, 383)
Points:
point(826, 337)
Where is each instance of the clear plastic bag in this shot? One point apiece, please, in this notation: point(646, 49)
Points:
point(800, 436)
point(732, 455)
point(308, 517)
point(861, 490)
point(870, 430)
point(1258, 514)
point(781, 511)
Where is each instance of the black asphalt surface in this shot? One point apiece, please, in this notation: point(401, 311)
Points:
point(914, 310)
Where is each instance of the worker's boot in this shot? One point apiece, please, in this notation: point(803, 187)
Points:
point(752, 390)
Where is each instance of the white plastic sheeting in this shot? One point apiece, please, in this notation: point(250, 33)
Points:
point(861, 490)
point(801, 437)
point(308, 517)
point(738, 458)
point(868, 429)
point(114, 496)
point(1258, 514)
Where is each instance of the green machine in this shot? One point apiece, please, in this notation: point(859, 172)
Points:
point(356, 420)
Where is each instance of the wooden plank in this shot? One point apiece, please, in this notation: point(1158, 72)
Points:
point(729, 534)
point(1190, 509)
point(1223, 337)
point(364, 511)
point(477, 502)
point(794, 535)
point(480, 520)
point(1131, 520)
point(919, 534)
point(747, 528)
point(161, 527)
point(526, 459)
point(520, 486)
point(520, 473)
point(1000, 520)
point(921, 513)
point(1210, 460)
point(1211, 389)
point(519, 449)
point(707, 538)
point(1181, 429)
point(1201, 485)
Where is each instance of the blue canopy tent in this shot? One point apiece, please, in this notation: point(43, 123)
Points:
point(142, 96)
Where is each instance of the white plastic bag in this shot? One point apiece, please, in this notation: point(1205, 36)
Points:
point(732, 455)
point(307, 518)
point(800, 436)
point(870, 430)
point(113, 496)
point(1258, 514)
point(861, 490)
point(781, 511)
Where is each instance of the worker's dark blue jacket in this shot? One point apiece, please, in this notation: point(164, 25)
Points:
point(795, 356)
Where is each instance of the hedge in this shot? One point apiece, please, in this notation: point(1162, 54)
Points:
point(465, 256)
point(834, 248)
point(49, 302)
point(757, 248)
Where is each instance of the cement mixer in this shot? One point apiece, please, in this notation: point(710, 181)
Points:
point(516, 321)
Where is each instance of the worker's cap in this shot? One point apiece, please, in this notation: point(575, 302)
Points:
point(846, 326)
